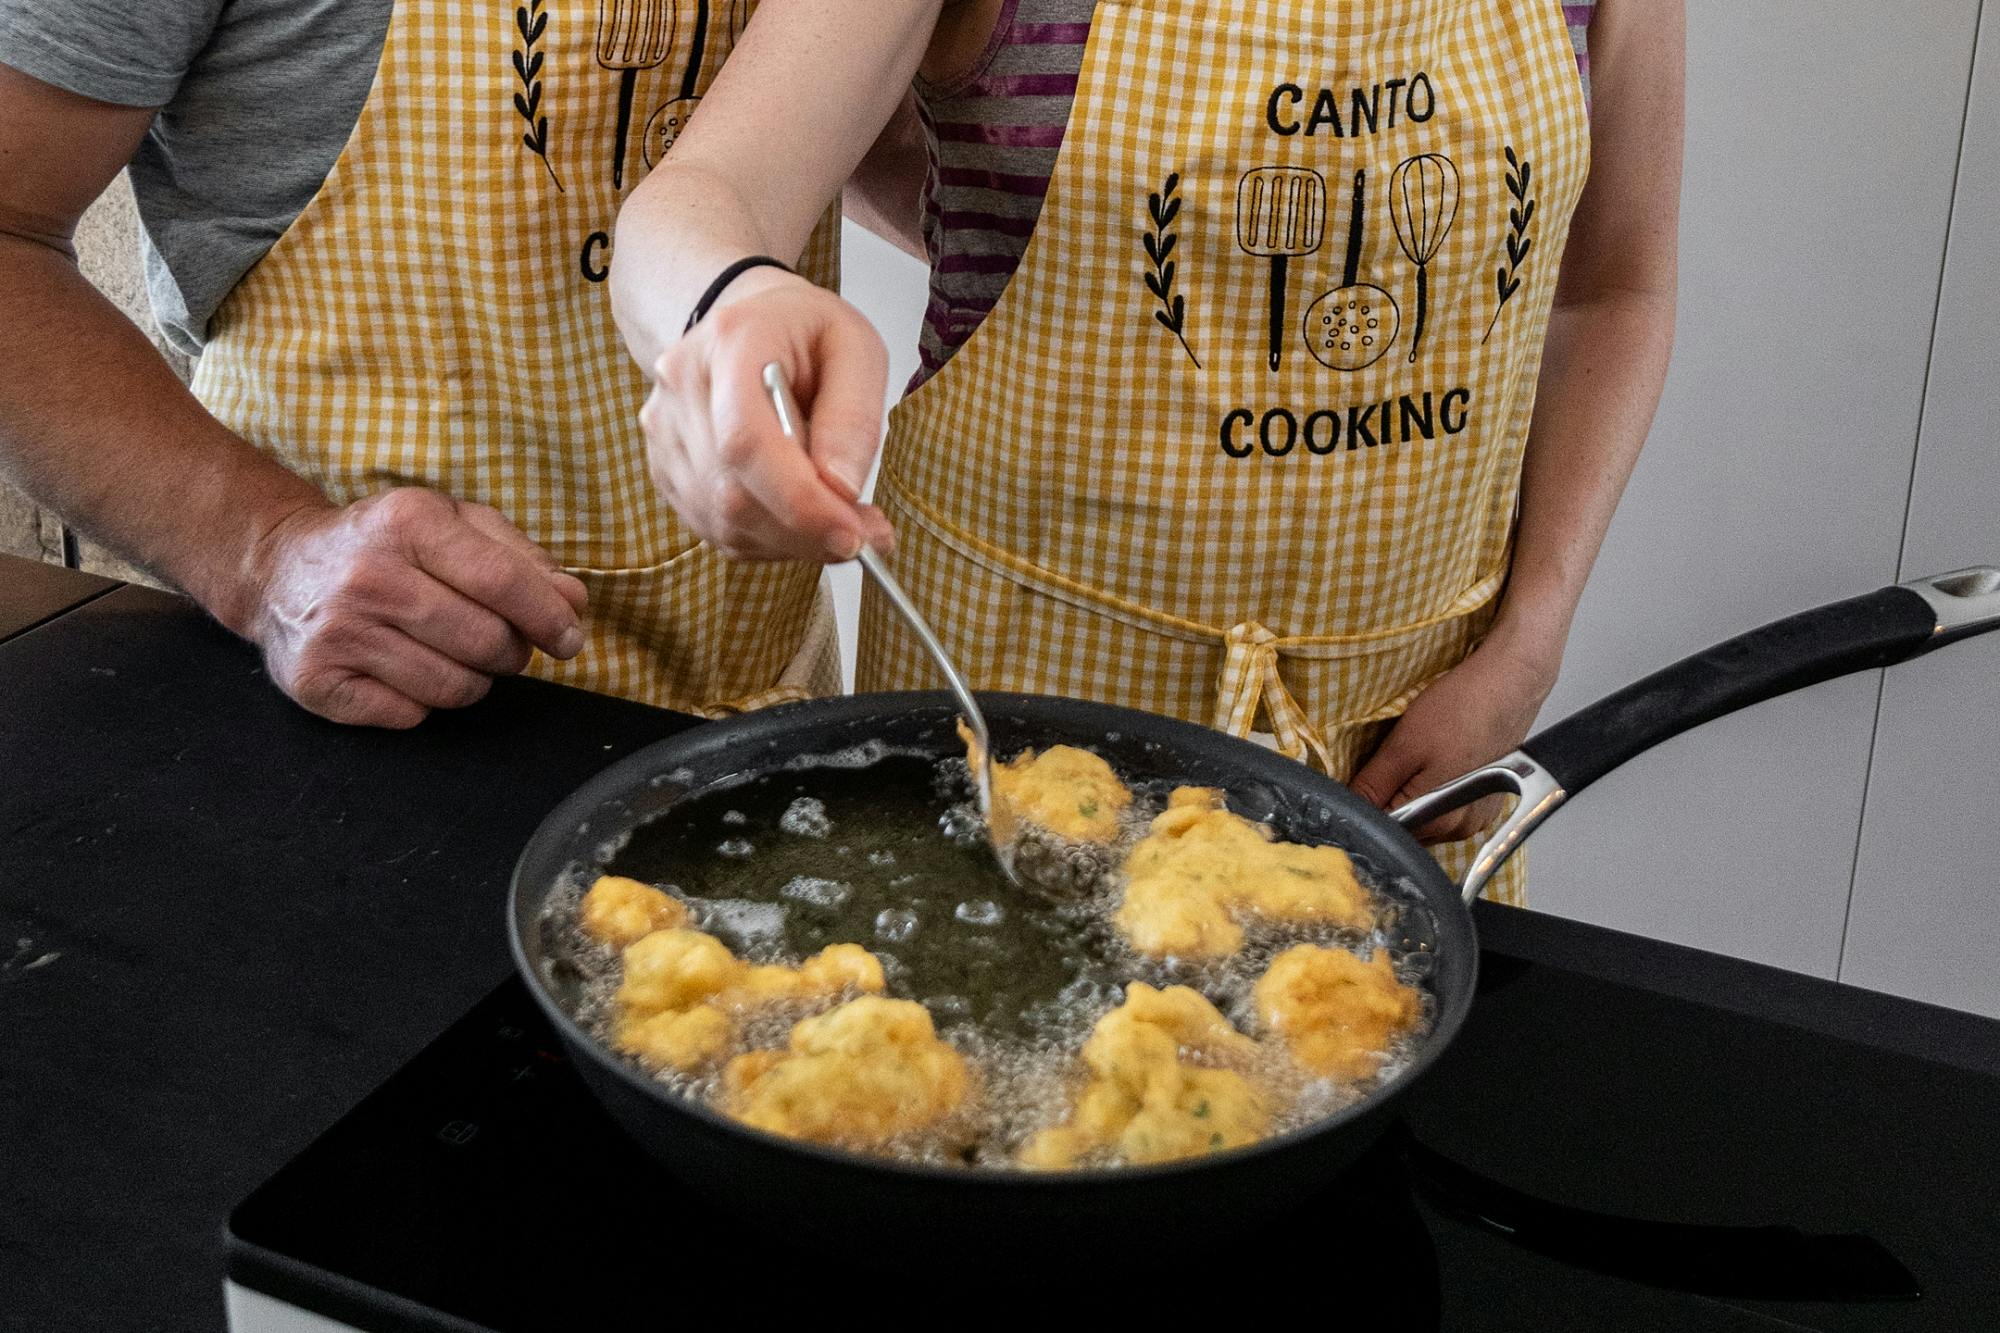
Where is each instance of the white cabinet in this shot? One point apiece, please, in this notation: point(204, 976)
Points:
point(1822, 140)
point(1926, 914)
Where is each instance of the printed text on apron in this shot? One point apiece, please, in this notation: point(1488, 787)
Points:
point(1242, 440)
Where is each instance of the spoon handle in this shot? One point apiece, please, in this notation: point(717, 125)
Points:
point(871, 560)
point(792, 424)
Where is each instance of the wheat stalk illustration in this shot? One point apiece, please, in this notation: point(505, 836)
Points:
point(1163, 207)
point(530, 21)
point(1520, 217)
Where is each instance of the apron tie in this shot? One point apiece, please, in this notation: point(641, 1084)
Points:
point(771, 698)
point(1250, 677)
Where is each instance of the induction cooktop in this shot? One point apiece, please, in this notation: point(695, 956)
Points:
point(1592, 1154)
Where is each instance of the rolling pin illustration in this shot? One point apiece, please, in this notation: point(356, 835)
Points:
point(1350, 327)
point(666, 124)
point(1423, 202)
point(1280, 216)
point(631, 35)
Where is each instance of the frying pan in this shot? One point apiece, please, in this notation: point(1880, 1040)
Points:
point(854, 1200)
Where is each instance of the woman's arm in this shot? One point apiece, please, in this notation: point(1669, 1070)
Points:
point(1609, 339)
point(1612, 329)
point(797, 105)
point(885, 194)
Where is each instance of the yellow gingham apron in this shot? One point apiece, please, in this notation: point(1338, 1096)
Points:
point(1144, 480)
point(437, 316)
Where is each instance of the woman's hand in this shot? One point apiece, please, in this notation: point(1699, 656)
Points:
point(1470, 716)
point(712, 434)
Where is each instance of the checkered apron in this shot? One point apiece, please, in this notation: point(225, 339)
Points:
point(437, 317)
point(1242, 441)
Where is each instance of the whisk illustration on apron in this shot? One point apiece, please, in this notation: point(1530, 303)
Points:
point(1174, 515)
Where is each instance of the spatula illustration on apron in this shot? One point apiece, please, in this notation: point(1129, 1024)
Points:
point(1280, 216)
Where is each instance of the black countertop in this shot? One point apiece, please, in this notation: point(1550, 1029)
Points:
point(32, 592)
point(223, 922)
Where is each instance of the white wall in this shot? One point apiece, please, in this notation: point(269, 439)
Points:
point(1823, 148)
point(1822, 145)
point(1925, 919)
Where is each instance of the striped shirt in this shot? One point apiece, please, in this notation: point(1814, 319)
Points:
point(994, 133)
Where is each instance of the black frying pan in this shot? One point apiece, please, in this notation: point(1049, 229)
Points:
point(876, 1202)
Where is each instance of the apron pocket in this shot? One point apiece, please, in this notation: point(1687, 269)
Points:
point(700, 634)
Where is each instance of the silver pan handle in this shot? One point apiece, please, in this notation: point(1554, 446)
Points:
point(1966, 602)
point(1880, 629)
point(1517, 774)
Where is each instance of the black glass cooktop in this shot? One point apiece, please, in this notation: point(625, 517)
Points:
point(1592, 1154)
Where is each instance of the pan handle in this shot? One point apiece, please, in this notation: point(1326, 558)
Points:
point(1890, 625)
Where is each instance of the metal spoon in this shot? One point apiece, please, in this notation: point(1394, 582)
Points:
point(999, 823)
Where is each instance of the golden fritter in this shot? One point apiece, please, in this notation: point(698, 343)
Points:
point(678, 1039)
point(1336, 1013)
point(619, 911)
point(676, 969)
point(836, 968)
point(1181, 1014)
point(867, 1072)
point(1146, 1100)
point(1200, 867)
point(1072, 793)
point(684, 991)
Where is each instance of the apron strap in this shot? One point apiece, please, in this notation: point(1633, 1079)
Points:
point(1250, 677)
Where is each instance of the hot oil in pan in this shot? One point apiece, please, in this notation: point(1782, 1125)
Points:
point(888, 855)
point(787, 863)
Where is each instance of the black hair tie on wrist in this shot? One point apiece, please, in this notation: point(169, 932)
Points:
point(724, 278)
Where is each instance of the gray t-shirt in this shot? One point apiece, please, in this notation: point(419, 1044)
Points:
point(256, 98)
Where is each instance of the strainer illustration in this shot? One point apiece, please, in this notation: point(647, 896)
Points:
point(1350, 327)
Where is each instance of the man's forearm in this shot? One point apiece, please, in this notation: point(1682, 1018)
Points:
point(94, 425)
point(1602, 372)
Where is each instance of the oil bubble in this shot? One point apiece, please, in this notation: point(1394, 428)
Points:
point(962, 826)
point(896, 925)
point(981, 912)
point(745, 926)
point(949, 1008)
point(828, 895)
point(806, 818)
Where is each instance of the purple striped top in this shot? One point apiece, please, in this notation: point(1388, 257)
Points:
point(994, 133)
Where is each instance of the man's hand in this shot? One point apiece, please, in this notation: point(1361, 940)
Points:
point(712, 435)
point(405, 601)
point(1471, 715)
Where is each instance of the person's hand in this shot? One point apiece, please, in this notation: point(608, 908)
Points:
point(1470, 716)
point(712, 436)
point(405, 601)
